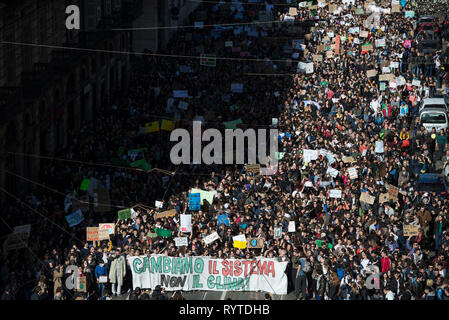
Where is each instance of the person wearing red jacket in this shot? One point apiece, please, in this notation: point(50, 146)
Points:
point(385, 262)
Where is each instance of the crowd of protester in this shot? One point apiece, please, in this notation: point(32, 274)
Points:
point(335, 241)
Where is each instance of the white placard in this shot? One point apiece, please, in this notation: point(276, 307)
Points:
point(229, 44)
point(353, 173)
point(291, 226)
point(379, 146)
point(335, 193)
point(394, 65)
point(240, 237)
point(181, 242)
point(103, 279)
point(332, 172)
point(309, 155)
point(186, 223)
point(159, 204)
point(211, 238)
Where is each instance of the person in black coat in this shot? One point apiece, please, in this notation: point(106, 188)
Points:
point(7, 295)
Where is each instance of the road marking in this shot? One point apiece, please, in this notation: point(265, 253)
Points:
point(205, 294)
point(223, 295)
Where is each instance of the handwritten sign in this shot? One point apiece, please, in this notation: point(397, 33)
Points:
point(165, 214)
point(92, 234)
point(335, 193)
point(367, 198)
point(410, 230)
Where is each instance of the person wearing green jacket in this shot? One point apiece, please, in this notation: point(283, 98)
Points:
point(441, 140)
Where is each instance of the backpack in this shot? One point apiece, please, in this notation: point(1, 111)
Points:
point(341, 273)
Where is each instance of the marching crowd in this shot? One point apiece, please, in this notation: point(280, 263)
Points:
point(336, 109)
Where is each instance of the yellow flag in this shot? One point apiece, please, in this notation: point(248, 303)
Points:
point(110, 245)
point(152, 127)
point(168, 125)
point(240, 244)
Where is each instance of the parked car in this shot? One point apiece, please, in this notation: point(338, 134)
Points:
point(434, 118)
point(431, 182)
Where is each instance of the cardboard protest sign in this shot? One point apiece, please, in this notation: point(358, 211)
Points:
point(181, 242)
point(353, 173)
point(255, 243)
point(318, 57)
point(363, 34)
point(371, 73)
point(81, 284)
point(211, 238)
point(385, 77)
point(348, 159)
point(332, 7)
point(107, 226)
point(253, 168)
point(92, 234)
point(367, 47)
point(410, 230)
point(335, 193)
point(293, 12)
point(380, 43)
point(383, 197)
point(103, 234)
point(367, 198)
point(165, 214)
point(393, 192)
point(395, 8)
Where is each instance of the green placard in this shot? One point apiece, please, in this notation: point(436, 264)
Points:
point(319, 243)
point(124, 214)
point(85, 185)
point(163, 233)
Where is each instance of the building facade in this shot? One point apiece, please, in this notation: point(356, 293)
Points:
point(46, 92)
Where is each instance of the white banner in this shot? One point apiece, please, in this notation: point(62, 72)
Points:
point(209, 274)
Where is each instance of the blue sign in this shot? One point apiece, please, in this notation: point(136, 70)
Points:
point(223, 219)
point(75, 218)
point(194, 201)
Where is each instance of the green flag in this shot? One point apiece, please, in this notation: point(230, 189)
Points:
point(330, 246)
point(85, 184)
point(142, 164)
point(163, 233)
point(319, 243)
point(124, 214)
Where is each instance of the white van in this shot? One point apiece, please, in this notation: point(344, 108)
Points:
point(434, 118)
point(434, 103)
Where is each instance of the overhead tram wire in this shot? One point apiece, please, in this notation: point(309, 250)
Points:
point(170, 173)
point(175, 56)
point(40, 214)
point(57, 191)
point(199, 27)
point(242, 3)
